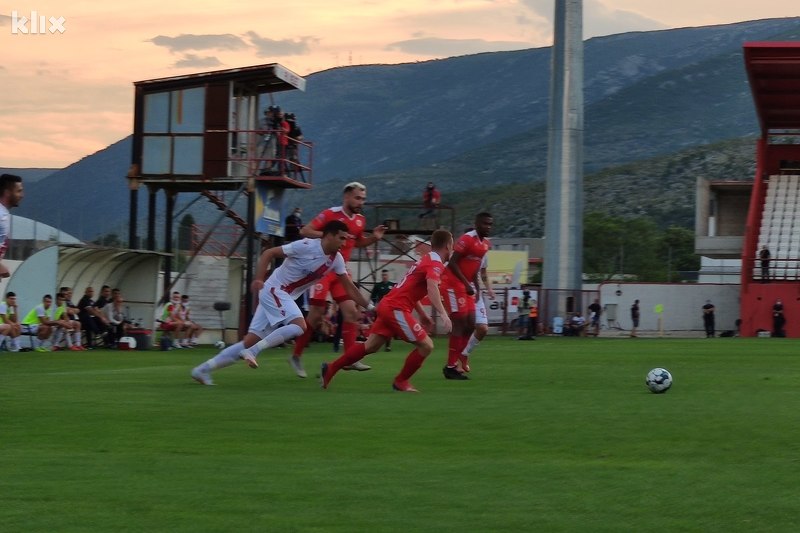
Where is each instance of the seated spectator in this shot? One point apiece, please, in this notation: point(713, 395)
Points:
point(117, 320)
point(38, 322)
point(192, 328)
point(66, 328)
point(9, 323)
point(576, 325)
point(92, 320)
point(105, 297)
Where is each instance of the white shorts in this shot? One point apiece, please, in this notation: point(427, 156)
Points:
point(275, 308)
point(480, 312)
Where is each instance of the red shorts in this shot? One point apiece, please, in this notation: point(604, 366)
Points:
point(398, 323)
point(456, 300)
point(318, 293)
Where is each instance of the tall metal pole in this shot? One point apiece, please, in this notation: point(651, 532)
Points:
point(563, 259)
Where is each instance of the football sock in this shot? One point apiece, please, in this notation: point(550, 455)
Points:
point(412, 364)
point(277, 337)
point(454, 347)
point(354, 354)
point(349, 334)
point(472, 343)
point(226, 357)
point(302, 341)
point(68, 338)
point(57, 337)
point(76, 338)
point(17, 343)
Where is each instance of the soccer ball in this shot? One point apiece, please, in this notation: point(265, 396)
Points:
point(659, 380)
point(219, 345)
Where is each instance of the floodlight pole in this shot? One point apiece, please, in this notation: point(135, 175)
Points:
point(563, 258)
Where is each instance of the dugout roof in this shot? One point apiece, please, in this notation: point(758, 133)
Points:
point(773, 69)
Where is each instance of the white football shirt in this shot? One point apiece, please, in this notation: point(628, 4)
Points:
point(305, 263)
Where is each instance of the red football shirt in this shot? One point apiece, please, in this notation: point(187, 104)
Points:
point(414, 285)
point(355, 226)
point(471, 250)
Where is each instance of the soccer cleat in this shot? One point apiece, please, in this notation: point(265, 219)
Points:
point(359, 366)
point(403, 386)
point(249, 358)
point(204, 378)
point(76, 348)
point(323, 372)
point(56, 348)
point(464, 362)
point(451, 372)
point(387, 349)
point(297, 365)
point(41, 349)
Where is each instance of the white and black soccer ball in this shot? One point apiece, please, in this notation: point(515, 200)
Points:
point(219, 345)
point(659, 380)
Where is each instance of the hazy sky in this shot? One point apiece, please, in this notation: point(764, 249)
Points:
point(66, 95)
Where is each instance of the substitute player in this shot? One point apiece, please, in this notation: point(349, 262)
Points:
point(395, 318)
point(460, 286)
point(277, 318)
point(354, 196)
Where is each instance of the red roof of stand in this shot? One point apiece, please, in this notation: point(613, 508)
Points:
point(773, 69)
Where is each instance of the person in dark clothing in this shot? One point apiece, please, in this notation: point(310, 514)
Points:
point(379, 290)
point(92, 320)
point(292, 224)
point(778, 319)
point(764, 256)
point(635, 317)
point(708, 318)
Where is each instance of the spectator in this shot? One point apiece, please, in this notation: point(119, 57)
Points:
point(778, 319)
point(9, 316)
point(269, 140)
point(192, 328)
point(38, 322)
point(11, 194)
point(576, 325)
point(292, 152)
point(92, 320)
point(379, 290)
point(292, 225)
point(533, 320)
point(764, 256)
point(67, 329)
point(708, 318)
point(594, 315)
point(431, 197)
point(523, 316)
point(635, 317)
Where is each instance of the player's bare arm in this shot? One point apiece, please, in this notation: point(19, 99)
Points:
point(377, 234)
point(427, 321)
point(486, 285)
point(264, 262)
point(353, 292)
point(436, 302)
point(308, 231)
point(454, 268)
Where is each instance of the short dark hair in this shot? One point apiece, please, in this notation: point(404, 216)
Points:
point(9, 294)
point(384, 271)
point(483, 214)
point(47, 296)
point(333, 227)
point(6, 181)
point(440, 238)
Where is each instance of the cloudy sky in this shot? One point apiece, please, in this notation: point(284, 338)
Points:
point(66, 92)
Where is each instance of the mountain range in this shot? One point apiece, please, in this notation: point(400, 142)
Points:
point(477, 126)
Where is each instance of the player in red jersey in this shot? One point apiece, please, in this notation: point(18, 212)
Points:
point(354, 196)
point(460, 288)
point(395, 318)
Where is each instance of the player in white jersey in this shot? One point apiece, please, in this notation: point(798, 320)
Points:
point(277, 318)
point(11, 195)
point(481, 316)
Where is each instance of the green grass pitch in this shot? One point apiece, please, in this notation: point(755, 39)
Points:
point(552, 435)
